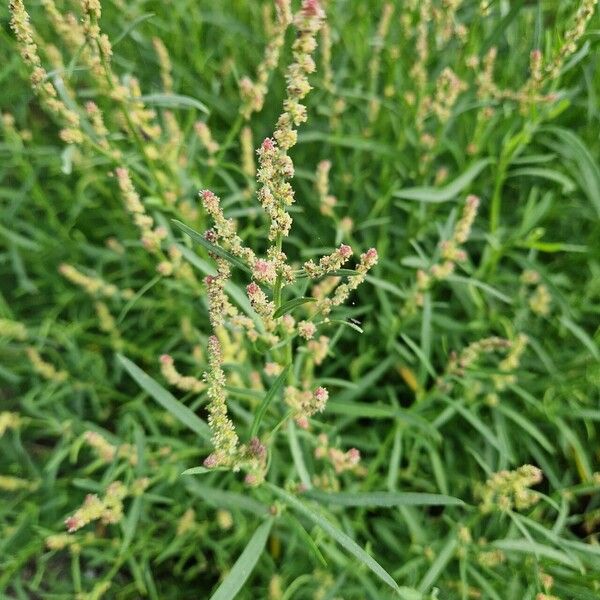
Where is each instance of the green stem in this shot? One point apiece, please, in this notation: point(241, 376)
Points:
point(497, 196)
point(279, 281)
point(233, 132)
point(130, 124)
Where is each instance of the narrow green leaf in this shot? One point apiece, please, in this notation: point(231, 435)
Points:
point(131, 26)
point(225, 498)
point(388, 499)
point(381, 411)
point(306, 538)
point(353, 142)
point(131, 522)
point(301, 273)
point(199, 238)
point(173, 101)
point(478, 424)
point(534, 549)
point(245, 393)
point(552, 247)
point(581, 457)
point(166, 399)
point(287, 307)
point(237, 577)
point(582, 336)
point(269, 396)
point(438, 565)
point(347, 324)
point(339, 536)
point(19, 240)
point(386, 286)
point(480, 284)
point(573, 148)
point(527, 426)
point(197, 471)
point(551, 174)
point(449, 191)
point(483, 583)
point(366, 381)
point(439, 470)
point(417, 351)
point(395, 458)
point(297, 455)
point(206, 268)
point(342, 273)
point(425, 336)
point(502, 26)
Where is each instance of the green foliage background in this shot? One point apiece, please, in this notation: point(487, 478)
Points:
point(543, 166)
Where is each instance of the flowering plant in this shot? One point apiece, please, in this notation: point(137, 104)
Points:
point(183, 272)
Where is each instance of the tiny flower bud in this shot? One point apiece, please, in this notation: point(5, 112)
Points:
point(268, 145)
point(211, 461)
point(345, 251)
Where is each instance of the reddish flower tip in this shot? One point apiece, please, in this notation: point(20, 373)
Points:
point(354, 454)
point(261, 266)
point(321, 394)
point(311, 8)
point(302, 422)
point(251, 479)
point(473, 201)
point(71, 524)
point(345, 251)
point(268, 144)
point(210, 462)
point(166, 359)
point(207, 196)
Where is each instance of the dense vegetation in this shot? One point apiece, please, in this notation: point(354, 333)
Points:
point(404, 404)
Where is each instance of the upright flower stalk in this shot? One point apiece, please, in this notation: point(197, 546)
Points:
point(271, 274)
point(451, 253)
point(44, 89)
point(253, 93)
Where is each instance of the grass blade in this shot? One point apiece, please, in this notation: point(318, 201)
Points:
point(199, 239)
point(439, 564)
point(367, 381)
point(174, 101)
point(166, 399)
point(346, 324)
point(199, 471)
point(381, 411)
point(386, 499)
point(297, 456)
point(287, 307)
point(535, 549)
point(448, 192)
point(582, 336)
point(269, 396)
point(237, 577)
point(225, 499)
point(477, 423)
point(306, 538)
point(551, 174)
point(480, 284)
point(131, 26)
point(339, 536)
point(528, 427)
point(240, 298)
point(573, 148)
